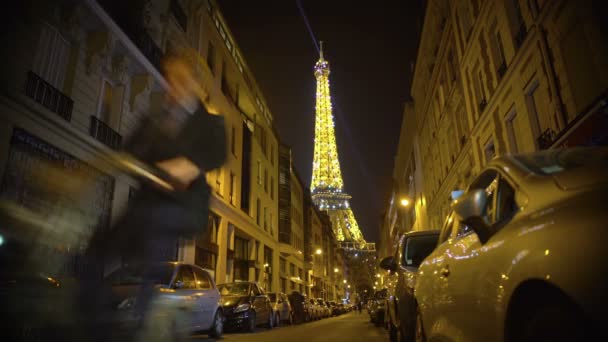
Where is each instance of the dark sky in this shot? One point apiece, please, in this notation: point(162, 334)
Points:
point(369, 46)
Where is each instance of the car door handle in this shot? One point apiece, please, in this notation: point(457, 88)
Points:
point(445, 272)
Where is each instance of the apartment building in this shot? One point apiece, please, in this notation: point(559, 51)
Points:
point(81, 74)
point(495, 77)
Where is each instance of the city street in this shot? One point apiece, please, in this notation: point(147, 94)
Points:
point(351, 327)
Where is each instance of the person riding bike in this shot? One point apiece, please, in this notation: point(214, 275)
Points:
point(181, 143)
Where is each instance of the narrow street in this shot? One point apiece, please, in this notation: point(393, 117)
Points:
point(352, 327)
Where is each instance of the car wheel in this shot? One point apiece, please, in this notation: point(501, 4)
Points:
point(270, 323)
point(555, 322)
point(251, 324)
point(420, 336)
point(277, 320)
point(217, 330)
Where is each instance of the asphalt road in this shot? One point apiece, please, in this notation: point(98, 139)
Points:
point(351, 327)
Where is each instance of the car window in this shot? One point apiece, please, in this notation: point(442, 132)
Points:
point(136, 274)
point(186, 276)
point(418, 248)
point(506, 206)
point(488, 181)
point(463, 230)
point(238, 289)
point(256, 290)
point(202, 279)
point(446, 231)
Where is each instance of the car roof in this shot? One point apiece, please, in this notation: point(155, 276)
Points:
point(422, 232)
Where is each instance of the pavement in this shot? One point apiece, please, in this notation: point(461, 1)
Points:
point(351, 327)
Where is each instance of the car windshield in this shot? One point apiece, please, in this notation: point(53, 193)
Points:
point(555, 161)
point(273, 297)
point(381, 294)
point(238, 289)
point(136, 274)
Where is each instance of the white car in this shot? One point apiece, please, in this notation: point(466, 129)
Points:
point(524, 256)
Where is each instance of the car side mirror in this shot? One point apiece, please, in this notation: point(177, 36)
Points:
point(389, 264)
point(471, 208)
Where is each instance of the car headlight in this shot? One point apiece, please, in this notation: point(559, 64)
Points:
point(242, 307)
point(127, 304)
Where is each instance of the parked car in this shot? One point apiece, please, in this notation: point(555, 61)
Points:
point(246, 306)
point(413, 248)
point(523, 255)
point(335, 309)
point(310, 309)
point(281, 308)
point(324, 309)
point(316, 310)
point(177, 284)
point(377, 307)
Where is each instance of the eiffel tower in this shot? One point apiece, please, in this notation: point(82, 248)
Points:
point(327, 186)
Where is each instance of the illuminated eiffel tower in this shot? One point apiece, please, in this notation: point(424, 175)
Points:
point(327, 186)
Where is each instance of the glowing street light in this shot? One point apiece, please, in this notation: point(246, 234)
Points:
point(377, 275)
point(344, 281)
point(319, 251)
point(336, 270)
point(405, 202)
point(349, 286)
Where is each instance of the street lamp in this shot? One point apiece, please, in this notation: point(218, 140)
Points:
point(349, 286)
point(405, 202)
point(318, 251)
point(336, 270)
point(344, 281)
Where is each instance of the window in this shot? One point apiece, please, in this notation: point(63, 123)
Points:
point(271, 224)
point(516, 20)
point(506, 206)
point(498, 53)
point(466, 19)
point(241, 248)
point(259, 172)
point(52, 55)
point(489, 150)
point(211, 57)
point(510, 127)
point(283, 265)
point(110, 104)
point(185, 276)
point(258, 211)
point(202, 279)
point(257, 253)
point(488, 181)
point(266, 218)
point(232, 180)
point(540, 121)
point(292, 270)
point(218, 180)
point(271, 155)
point(283, 285)
point(271, 187)
point(266, 180)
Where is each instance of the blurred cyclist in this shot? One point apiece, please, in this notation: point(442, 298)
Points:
point(182, 142)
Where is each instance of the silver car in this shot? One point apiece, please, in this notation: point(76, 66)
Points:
point(281, 308)
point(187, 299)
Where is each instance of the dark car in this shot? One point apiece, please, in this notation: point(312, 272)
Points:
point(377, 307)
point(246, 306)
point(414, 247)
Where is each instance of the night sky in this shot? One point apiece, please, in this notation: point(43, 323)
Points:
point(370, 50)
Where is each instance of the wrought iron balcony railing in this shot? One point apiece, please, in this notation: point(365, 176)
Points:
point(104, 133)
point(47, 95)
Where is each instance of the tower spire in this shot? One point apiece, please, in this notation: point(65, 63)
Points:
point(327, 186)
point(321, 50)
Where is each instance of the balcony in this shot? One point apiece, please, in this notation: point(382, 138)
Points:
point(546, 139)
point(520, 36)
point(179, 14)
point(104, 133)
point(47, 95)
point(122, 14)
